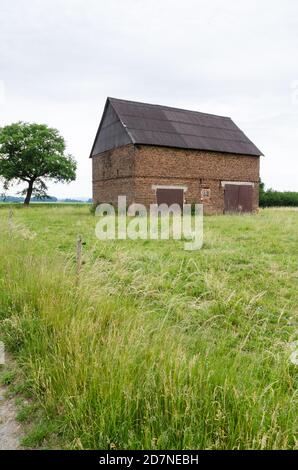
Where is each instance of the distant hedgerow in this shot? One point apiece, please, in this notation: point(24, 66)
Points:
point(271, 198)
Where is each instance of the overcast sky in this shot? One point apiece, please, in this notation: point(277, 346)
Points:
point(60, 59)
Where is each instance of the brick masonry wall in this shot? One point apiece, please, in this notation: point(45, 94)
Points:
point(195, 169)
point(112, 174)
point(133, 170)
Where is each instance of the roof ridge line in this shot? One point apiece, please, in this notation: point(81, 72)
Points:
point(169, 107)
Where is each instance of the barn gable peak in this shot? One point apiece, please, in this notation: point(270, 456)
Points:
point(125, 122)
point(112, 132)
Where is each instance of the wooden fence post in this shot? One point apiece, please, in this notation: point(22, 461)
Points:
point(79, 256)
point(10, 221)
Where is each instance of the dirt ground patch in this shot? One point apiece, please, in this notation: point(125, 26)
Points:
point(10, 430)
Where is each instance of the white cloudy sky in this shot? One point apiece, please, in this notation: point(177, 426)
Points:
point(60, 59)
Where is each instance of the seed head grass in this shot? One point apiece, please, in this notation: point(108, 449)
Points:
point(155, 347)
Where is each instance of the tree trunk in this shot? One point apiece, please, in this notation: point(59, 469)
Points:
point(29, 193)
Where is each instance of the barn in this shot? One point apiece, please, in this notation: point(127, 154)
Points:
point(158, 154)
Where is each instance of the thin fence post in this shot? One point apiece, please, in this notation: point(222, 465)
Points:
point(79, 256)
point(10, 221)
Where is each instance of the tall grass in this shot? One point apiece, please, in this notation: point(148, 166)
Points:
point(155, 348)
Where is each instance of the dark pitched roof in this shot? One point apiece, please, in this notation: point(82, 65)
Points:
point(171, 127)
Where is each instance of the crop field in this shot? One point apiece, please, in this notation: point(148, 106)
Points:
point(152, 347)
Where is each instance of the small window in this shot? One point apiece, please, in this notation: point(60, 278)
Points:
point(205, 193)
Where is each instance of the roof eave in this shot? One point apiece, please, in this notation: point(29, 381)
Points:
point(260, 154)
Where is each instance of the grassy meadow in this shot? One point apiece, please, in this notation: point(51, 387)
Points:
point(155, 347)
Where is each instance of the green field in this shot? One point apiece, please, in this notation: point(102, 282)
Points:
point(154, 347)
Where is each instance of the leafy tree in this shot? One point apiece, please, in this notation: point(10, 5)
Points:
point(34, 153)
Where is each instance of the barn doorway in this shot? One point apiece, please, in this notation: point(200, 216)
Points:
point(170, 196)
point(238, 198)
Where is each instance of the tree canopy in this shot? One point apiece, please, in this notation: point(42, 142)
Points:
point(34, 153)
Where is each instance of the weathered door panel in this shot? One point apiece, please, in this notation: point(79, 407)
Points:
point(245, 198)
point(238, 198)
point(231, 198)
point(170, 196)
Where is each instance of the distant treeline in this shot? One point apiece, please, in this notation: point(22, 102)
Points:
point(268, 198)
point(16, 199)
point(271, 198)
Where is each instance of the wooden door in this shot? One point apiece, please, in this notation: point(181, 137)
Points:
point(231, 198)
point(170, 196)
point(245, 198)
point(238, 198)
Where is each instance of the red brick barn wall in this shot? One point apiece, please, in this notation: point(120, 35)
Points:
point(194, 169)
point(132, 171)
point(113, 172)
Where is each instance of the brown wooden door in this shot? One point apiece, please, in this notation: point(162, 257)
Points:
point(231, 198)
point(238, 198)
point(170, 196)
point(245, 198)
